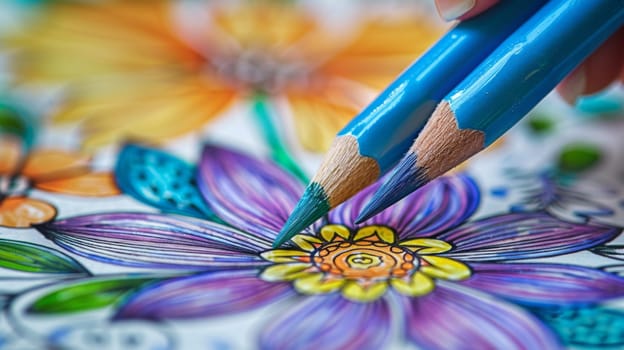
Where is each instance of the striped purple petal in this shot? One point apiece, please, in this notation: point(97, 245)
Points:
point(330, 322)
point(455, 317)
point(253, 195)
point(203, 295)
point(523, 236)
point(156, 241)
point(439, 206)
point(546, 284)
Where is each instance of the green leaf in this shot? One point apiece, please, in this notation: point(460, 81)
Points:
point(29, 257)
point(18, 122)
point(578, 157)
point(86, 295)
point(541, 124)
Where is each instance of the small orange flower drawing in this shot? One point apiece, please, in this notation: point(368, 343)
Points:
point(48, 170)
point(131, 72)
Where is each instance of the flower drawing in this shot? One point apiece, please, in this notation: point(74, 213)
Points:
point(47, 170)
point(131, 70)
point(422, 266)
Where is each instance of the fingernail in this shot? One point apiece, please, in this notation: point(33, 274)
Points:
point(573, 87)
point(453, 9)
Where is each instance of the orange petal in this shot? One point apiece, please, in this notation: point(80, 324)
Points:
point(320, 113)
point(92, 184)
point(383, 49)
point(43, 164)
point(24, 212)
point(10, 151)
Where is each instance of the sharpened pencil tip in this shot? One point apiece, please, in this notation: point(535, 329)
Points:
point(406, 178)
point(312, 205)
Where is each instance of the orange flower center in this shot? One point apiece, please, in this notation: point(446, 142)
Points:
point(259, 70)
point(363, 264)
point(364, 260)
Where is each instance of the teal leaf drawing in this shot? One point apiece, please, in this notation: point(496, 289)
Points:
point(86, 295)
point(587, 326)
point(29, 257)
point(160, 180)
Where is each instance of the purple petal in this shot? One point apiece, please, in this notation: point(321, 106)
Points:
point(156, 241)
point(330, 322)
point(203, 295)
point(439, 206)
point(453, 317)
point(523, 236)
point(546, 283)
point(253, 195)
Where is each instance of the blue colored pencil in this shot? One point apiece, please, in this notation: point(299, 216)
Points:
point(501, 90)
point(372, 143)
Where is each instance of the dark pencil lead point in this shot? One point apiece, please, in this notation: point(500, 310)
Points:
point(405, 179)
point(312, 206)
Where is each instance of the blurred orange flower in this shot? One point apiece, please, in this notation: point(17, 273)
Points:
point(48, 170)
point(132, 74)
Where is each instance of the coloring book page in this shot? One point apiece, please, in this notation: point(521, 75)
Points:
point(151, 151)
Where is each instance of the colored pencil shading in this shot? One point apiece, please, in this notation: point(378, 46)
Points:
point(376, 139)
point(500, 91)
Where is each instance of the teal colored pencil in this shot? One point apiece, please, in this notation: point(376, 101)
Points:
point(376, 139)
point(500, 91)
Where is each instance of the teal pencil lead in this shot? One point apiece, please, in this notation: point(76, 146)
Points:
point(406, 178)
point(311, 207)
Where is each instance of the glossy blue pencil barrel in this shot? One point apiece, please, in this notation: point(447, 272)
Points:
point(531, 62)
point(387, 127)
point(501, 90)
point(378, 137)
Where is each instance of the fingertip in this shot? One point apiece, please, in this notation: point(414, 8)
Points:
point(462, 9)
point(573, 86)
point(597, 72)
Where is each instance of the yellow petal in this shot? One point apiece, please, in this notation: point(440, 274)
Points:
point(285, 272)
point(284, 255)
point(356, 292)
point(426, 245)
point(91, 184)
point(418, 284)
point(385, 234)
point(156, 121)
point(247, 25)
point(24, 212)
point(328, 232)
point(83, 40)
point(306, 242)
point(320, 113)
point(317, 284)
point(445, 268)
point(128, 73)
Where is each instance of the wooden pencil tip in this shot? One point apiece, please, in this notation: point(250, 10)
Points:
point(443, 145)
point(405, 179)
point(312, 206)
point(345, 171)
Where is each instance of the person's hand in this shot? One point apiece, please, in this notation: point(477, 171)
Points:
point(599, 70)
